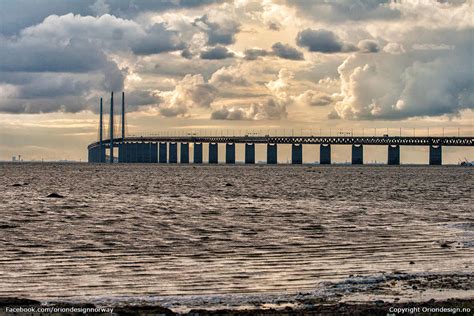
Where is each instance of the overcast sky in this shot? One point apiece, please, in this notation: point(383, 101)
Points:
point(236, 66)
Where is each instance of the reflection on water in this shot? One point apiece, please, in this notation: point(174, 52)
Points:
point(141, 230)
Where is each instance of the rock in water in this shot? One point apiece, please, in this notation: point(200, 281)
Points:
point(55, 195)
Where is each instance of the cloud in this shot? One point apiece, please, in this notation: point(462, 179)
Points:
point(232, 76)
point(31, 56)
point(18, 14)
point(157, 40)
point(274, 26)
point(314, 98)
point(51, 77)
point(136, 99)
point(413, 84)
point(192, 91)
point(254, 53)
point(221, 31)
point(280, 86)
point(287, 52)
point(186, 53)
point(107, 32)
point(368, 46)
point(343, 10)
point(270, 109)
point(218, 52)
point(394, 48)
point(273, 107)
point(322, 41)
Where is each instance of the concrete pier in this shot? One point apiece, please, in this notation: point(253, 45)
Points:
point(138, 153)
point(213, 153)
point(184, 153)
point(272, 154)
point(153, 152)
point(95, 154)
point(173, 156)
point(297, 154)
point(197, 153)
point(357, 154)
point(127, 154)
point(435, 155)
point(163, 153)
point(249, 153)
point(229, 153)
point(101, 154)
point(147, 148)
point(393, 155)
point(325, 154)
point(141, 152)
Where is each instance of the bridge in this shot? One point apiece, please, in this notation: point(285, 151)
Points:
point(164, 149)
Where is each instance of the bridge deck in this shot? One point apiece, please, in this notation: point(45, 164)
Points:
point(333, 140)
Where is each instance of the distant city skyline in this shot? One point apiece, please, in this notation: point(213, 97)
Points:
point(243, 65)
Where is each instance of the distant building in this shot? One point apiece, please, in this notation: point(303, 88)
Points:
point(13, 159)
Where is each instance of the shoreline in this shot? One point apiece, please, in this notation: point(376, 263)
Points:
point(395, 293)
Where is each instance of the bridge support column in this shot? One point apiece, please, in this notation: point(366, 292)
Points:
point(163, 153)
point(249, 153)
point(393, 155)
point(325, 154)
point(141, 152)
point(146, 152)
point(173, 157)
point(230, 153)
point(153, 152)
point(184, 153)
point(101, 154)
point(93, 155)
point(297, 154)
point(213, 153)
point(197, 153)
point(435, 155)
point(121, 152)
point(272, 154)
point(357, 154)
point(131, 153)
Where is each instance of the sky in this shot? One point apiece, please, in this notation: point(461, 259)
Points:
point(231, 67)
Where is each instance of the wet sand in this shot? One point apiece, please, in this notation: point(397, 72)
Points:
point(238, 237)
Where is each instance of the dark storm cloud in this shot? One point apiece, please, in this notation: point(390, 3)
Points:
point(287, 52)
point(322, 41)
point(218, 52)
point(218, 33)
point(157, 40)
point(343, 10)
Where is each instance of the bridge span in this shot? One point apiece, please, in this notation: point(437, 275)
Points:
point(164, 149)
